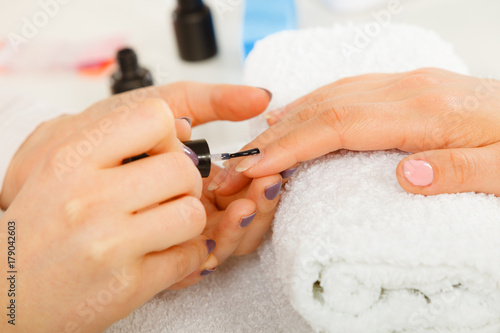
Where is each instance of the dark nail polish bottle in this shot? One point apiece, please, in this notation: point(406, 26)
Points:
point(130, 75)
point(194, 30)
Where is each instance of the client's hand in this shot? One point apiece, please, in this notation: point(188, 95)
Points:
point(94, 239)
point(450, 121)
point(200, 102)
point(237, 223)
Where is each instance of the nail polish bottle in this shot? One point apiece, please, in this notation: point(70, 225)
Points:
point(129, 75)
point(194, 30)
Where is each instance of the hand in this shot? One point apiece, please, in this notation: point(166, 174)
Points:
point(95, 239)
point(237, 223)
point(200, 102)
point(450, 122)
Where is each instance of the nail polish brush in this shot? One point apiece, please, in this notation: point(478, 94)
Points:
point(205, 158)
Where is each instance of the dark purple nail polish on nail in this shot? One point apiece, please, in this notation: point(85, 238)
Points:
point(190, 122)
point(207, 272)
point(268, 92)
point(189, 152)
point(245, 222)
point(272, 191)
point(288, 173)
point(210, 245)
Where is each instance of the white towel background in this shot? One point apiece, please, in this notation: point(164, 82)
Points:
point(375, 230)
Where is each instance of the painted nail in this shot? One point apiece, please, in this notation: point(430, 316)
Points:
point(218, 180)
point(272, 191)
point(192, 155)
point(288, 173)
point(190, 122)
point(268, 92)
point(418, 172)
point(210, 245)
point(248, 162)
point(245, 222)
point(206, 272)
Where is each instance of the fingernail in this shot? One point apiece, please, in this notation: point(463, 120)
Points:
point(210, 245)
point(418, 172)
point(245, 222)
point(190, 122)
point(268, 92)
point(288, 173)
point(218, 180)
point(192, 155)
point(206, 272)
point(272, 191)
point(248, 162)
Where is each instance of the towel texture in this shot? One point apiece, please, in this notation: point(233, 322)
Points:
point(350, 250)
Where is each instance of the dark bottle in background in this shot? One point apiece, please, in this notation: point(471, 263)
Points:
point(194, 30)
point(129, 75)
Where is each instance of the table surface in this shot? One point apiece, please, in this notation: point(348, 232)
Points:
point(471, 25)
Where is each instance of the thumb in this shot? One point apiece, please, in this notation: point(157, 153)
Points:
point(452, 171)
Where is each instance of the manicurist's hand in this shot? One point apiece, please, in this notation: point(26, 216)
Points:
point(450, 122)
point(199, 102)
point(237, 223)
point(94, 239)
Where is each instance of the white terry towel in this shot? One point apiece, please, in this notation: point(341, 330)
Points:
point(380, 249)
point(350, 249)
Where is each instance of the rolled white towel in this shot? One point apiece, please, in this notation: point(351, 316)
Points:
point(350, 249)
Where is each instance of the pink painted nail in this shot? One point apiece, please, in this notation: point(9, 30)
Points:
point(418, 172)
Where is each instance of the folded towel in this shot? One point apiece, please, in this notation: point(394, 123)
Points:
point(390, 261)
point(350, 249)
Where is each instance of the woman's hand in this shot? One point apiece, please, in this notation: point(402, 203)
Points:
point(200, 102)
point(95, 239)
point(450, 122)
point(237, 223)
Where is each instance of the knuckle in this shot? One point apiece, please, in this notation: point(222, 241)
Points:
point(424, 77)
point(463, 166)
point(194, 214)
point(182, 262)
point(185, 170)
point(157, 112)
point(310, 111)
point(336, 118)
point(436, 102)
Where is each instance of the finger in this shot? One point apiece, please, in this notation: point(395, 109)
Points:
point(153, 180)
point(183, 129)
point(229, 182)
point(354, 87)
point(452, 171)
point(357, 127)
point(265, 192)
point(208, 102)
point(208, 268)
point(168, 224)
point(199, 101)
point(231, 226)
point(125, 133)
point(164, 269)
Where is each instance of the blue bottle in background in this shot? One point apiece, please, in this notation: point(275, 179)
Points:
point(265, 17)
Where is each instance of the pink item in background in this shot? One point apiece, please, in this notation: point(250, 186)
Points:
point(93, 57)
